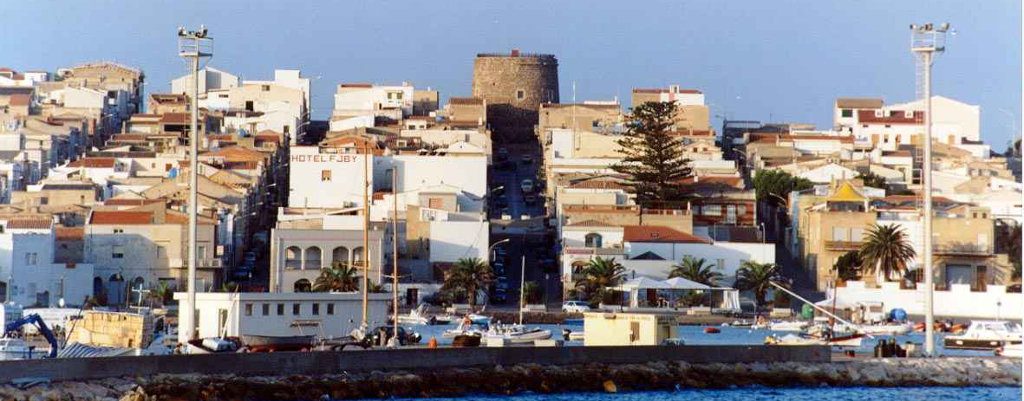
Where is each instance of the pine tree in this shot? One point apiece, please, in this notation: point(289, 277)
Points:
point(653, 162)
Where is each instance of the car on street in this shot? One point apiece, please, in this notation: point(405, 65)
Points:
point(527, 185)
point(575, 307)
point(527, 158)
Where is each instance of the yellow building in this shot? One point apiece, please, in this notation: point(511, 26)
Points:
point(603, 329)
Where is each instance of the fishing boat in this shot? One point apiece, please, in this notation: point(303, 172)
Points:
point(258, 343)
point(795, 325)
point(517, 334)
point(985, 335)
point(417, 317)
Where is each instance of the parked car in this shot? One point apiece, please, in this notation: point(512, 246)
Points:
point(527, 185)
point(575, 307)
point(527, 158)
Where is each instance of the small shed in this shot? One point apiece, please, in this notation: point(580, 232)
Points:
point(628, 329)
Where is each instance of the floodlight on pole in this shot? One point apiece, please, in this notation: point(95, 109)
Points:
point(193, 46)
point(924, 42)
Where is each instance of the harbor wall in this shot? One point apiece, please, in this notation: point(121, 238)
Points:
point(317, 363)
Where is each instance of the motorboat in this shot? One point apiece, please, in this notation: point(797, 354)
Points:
point(517, 333)
point(14, 348)
point(478, 318)
point(259, 343)
point(445, 319)
point(465, 327)
point(569, 335)
point(850, 340)
point(1010, 350)
point(985, 335)
point(795, 325)
point(886, 329)
point(417, 317)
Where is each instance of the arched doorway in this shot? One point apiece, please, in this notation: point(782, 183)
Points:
point(97, 286)
point(303, 285)
point(115, 290)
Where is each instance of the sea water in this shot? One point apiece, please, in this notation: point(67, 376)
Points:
point(758, 394)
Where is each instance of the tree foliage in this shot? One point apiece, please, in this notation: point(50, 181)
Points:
point(886, 251)
point(653, 159)
point(340, 277)
point(467, 278)
point(873, 180)
point(774, 186)
point(598, 276)
point(754, 276)
point(534, 292)
point(697, 270)
point(848, 266)
point(1008, 241)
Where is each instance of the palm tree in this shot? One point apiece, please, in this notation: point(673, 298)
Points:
point(469, 275)
point(598, 276)
point(696, 270)
point(756, 277)
point(338, 278)
point(162, 293)
point(887, 250)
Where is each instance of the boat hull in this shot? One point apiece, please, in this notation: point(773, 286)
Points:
point(524, 338)
point(257, 343)
point(976, 343)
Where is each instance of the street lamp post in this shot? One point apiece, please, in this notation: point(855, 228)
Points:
point(193, 45)
point(925, 40)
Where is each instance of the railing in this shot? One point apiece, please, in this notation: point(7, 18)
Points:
point(963, 249)
point(842, 245)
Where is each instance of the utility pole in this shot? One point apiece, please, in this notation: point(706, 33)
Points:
point(924, 42)
point(193, 45)
point(366, 237)
point(394, 246)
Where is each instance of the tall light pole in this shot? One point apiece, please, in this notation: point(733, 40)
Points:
point(193, 45)
point(925, 40)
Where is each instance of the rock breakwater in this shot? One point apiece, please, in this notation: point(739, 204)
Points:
point(534, 378)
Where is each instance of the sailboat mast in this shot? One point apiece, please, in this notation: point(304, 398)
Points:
point(366, 235)
point(394, 247)
point(522, 286)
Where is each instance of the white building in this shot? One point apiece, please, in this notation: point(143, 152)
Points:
point(28, 274)
point(887, 127)
point(210, 79)
point(325, 315)
point(360, 100)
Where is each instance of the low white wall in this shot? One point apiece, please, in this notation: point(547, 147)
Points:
point(958, 302)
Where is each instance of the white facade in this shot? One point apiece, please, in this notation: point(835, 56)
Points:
point(726, 256)
point(829, 173)
point(356, 101)
point(454, 240)
point(289, 79)
point(30, 275)
point(347, 123)
point(325, 315)
point(209, 79)
point(958, 302)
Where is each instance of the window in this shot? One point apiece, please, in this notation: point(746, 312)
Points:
point(248, 309)
point(712, 210)
point(248, 105)
point(44, 201)
point(592, 240)
point(520, 94)
point(266, 88)
point(330, 308)
point(316, 309)
point(280, 309)
point(161, 250)
point(31, 258)
point(840, 234)
point(847, 113)
point(266, 309)
point(325, 175)
point(857, 234)
point(201, 251)
point(117, 252)
point(296, 309)
point(634, 331)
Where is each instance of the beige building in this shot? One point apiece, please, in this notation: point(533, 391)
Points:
point(587, 116)
point(692, 115)
point(467, 110)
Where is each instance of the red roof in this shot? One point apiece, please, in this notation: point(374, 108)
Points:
point(899, 117)
point(174, 118)
point(121, 217)
point(659, 234)
point(29, 224)
point(93, 162)
point(20, 99)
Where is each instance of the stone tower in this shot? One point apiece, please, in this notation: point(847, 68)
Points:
point(515, 85)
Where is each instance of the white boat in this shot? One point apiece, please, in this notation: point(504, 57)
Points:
point(851, 341)
point(212, 346)
point(15, 348)
point(1010, 350)
point(470, 329)
point(886, 329)
point(417, 317)
point(517, 334)
point(569, 335)
point(478, 318)
point(985, 335)
point(795, 325)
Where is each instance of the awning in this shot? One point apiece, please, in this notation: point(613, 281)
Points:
point(641, 283)
point(679, 283)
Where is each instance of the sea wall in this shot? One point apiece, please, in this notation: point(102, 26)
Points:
point(537, 378)
point(317, 363)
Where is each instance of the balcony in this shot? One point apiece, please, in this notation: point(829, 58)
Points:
point(963, 250)
point(842, 245)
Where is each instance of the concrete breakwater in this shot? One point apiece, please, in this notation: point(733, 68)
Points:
point(499, 379)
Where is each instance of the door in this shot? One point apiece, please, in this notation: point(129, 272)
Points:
point(730, 214)
point(411, 296)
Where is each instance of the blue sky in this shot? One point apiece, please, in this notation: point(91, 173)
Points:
point(783, 61)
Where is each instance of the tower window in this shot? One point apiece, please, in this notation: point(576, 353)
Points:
point(520, 94)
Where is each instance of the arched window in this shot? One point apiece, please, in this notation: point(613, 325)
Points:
point(593, 240)
point(340, 255)
point(293, 258)
point(313, 258)
point(357, 256)
point(303, 285)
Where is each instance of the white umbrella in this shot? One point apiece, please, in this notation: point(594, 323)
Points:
point(679, 283)
point(640, 283)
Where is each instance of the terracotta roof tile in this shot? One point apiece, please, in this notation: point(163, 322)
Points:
point(659, 234)
point(70, 233)
point(121, 217)
point(32, 224)
point(93, 162)
point(131, 202)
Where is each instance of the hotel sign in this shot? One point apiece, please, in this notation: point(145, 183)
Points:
point(323, 158)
